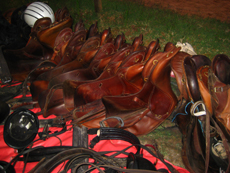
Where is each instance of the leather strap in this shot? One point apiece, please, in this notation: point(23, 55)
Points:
point(37, 154)
point(107, 133)
point(4, 70)
point(111, 167)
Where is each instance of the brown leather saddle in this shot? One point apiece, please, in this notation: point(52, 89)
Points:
point(22, 61)
point(129, 78)
point(95, 68)
point(145, 110)
point(218, 83)
point(69, 52)
point(83, 59)
point(192, 141)
point(194, 118)
point(68, 90)
point(126, 80)
point(48, 31)
point(69, 86)
point(216, 158)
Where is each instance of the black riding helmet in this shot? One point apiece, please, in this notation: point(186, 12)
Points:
point(20, 128)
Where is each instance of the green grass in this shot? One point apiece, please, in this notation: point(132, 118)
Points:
point(208, 36)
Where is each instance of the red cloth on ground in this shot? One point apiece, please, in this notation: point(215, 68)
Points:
point(7, 153)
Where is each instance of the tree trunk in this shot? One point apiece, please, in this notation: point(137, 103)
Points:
point(97, 5)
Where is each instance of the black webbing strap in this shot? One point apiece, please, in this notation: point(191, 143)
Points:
point(4, 70)
point(108, 133)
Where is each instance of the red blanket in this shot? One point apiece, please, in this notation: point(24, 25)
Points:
point(7, 153)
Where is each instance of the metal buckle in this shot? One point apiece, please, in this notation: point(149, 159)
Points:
point(217, 88)
point(112, 117)
point(6, 80)
point(198, 109)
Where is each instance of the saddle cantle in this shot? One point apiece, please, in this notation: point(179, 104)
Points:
point(47, 34)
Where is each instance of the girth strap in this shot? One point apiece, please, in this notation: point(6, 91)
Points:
point(4, 70)
point(108, 133)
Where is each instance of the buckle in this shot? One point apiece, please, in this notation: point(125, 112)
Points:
point(102, 124)
point(198, 109)
point(218, 89)
point(6, 79)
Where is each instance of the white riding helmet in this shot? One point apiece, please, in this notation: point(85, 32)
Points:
point(37, 10)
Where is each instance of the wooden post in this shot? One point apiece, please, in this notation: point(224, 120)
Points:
point(97, 5)
point(80, 139)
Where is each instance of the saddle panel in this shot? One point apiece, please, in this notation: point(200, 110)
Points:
point(202, 77)
point(20, 69)
point(55, 102)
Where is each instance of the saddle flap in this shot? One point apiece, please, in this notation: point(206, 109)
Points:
point(177, 68)
point(202, 77)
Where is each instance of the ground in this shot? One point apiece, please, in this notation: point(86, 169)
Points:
point(218, 9)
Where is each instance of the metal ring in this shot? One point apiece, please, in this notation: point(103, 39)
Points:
point(195, 109)
point(112, 117)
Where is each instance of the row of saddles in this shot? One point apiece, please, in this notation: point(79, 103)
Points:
point(71, 68)
point(96, 79)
